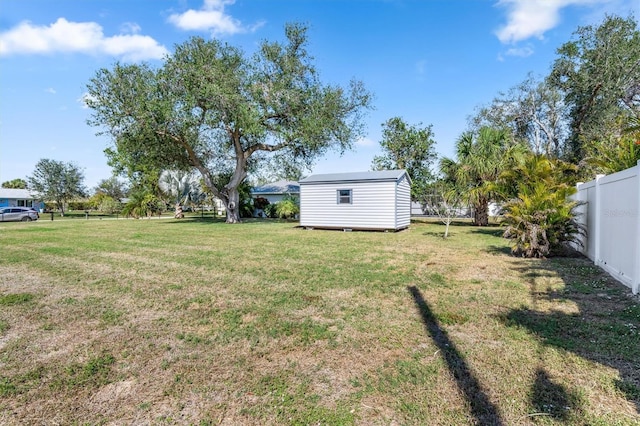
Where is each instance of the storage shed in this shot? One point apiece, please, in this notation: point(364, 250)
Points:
point(379, 200)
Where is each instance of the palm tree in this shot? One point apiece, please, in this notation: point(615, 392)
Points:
point(183, 186)
point(480, 160)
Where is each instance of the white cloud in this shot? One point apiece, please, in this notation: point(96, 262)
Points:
point(211, 17)
point(51, 90)
point(365, 142)
point(77, 37)
point(532, 18)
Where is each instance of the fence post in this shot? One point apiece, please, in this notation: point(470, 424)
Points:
point(597, 220)
point(635, 280)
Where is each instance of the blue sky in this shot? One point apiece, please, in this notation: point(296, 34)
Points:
point(430, 61)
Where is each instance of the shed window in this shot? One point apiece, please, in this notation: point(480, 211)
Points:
point(344, 196)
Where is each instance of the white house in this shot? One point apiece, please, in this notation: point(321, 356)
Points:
point(379, 200)
point(19, 198)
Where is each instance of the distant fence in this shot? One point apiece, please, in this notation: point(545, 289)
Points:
point(611, 214)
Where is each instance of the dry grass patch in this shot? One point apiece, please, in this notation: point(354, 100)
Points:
point(198, 322)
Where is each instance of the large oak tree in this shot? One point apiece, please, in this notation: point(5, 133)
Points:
point(212, 108)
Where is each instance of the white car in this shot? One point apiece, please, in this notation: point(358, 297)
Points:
point(16, 214)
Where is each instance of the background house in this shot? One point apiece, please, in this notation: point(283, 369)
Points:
point(274, 193)
point(379, 200)
point(20, 198)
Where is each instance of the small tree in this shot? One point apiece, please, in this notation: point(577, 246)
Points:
point(112, 187)
point(444, 200)
point(15, 184)
point(57, 181)
point(410, 148)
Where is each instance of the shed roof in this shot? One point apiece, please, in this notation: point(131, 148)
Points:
point(279, 187)
point(373, 176)
point(21, 194)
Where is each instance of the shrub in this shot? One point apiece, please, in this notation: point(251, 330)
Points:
point(79, 205)
point(541, 219)
point(142, 204)
point(542, 222)
point(109, 205)
point(287, 209)
point(271, 210)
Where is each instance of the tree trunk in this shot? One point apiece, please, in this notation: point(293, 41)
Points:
point(481, 212)
point(232, 204)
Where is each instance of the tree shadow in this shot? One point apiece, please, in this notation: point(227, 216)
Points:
point(491, 230)
point(552, 399)
point(481, 407)
point(605, 329)
point(499, 250)
point(439, 234)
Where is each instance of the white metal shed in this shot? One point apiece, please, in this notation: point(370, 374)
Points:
point(379, 200)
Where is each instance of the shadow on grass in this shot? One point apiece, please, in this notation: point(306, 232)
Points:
point(499, 250)
point(605, 330)
point(439, 234)
point(491, 230)
point(552, 399)
point(482, 409)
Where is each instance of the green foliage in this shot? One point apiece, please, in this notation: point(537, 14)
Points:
point(212, 108)
point(245, 201)
point(79, 205)
point(614, 154)
point(110, 206)
point(111, 187)
point(95, 200)
point(15, 184)
point(57, 181)
point(410, 148)
point(481, 158)
point(287, 208)
point(599, 75)
point(541, 220)
point(142, 203)
point(271, 210)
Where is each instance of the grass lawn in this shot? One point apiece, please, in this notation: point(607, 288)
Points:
point(198, 322)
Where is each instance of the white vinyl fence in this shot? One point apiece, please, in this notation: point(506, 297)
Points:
point(611, 214)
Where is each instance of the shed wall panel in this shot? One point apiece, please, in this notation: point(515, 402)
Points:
point(403, 203)
point(373, 205)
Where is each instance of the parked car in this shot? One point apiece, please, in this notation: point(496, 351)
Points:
point(24, 214)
